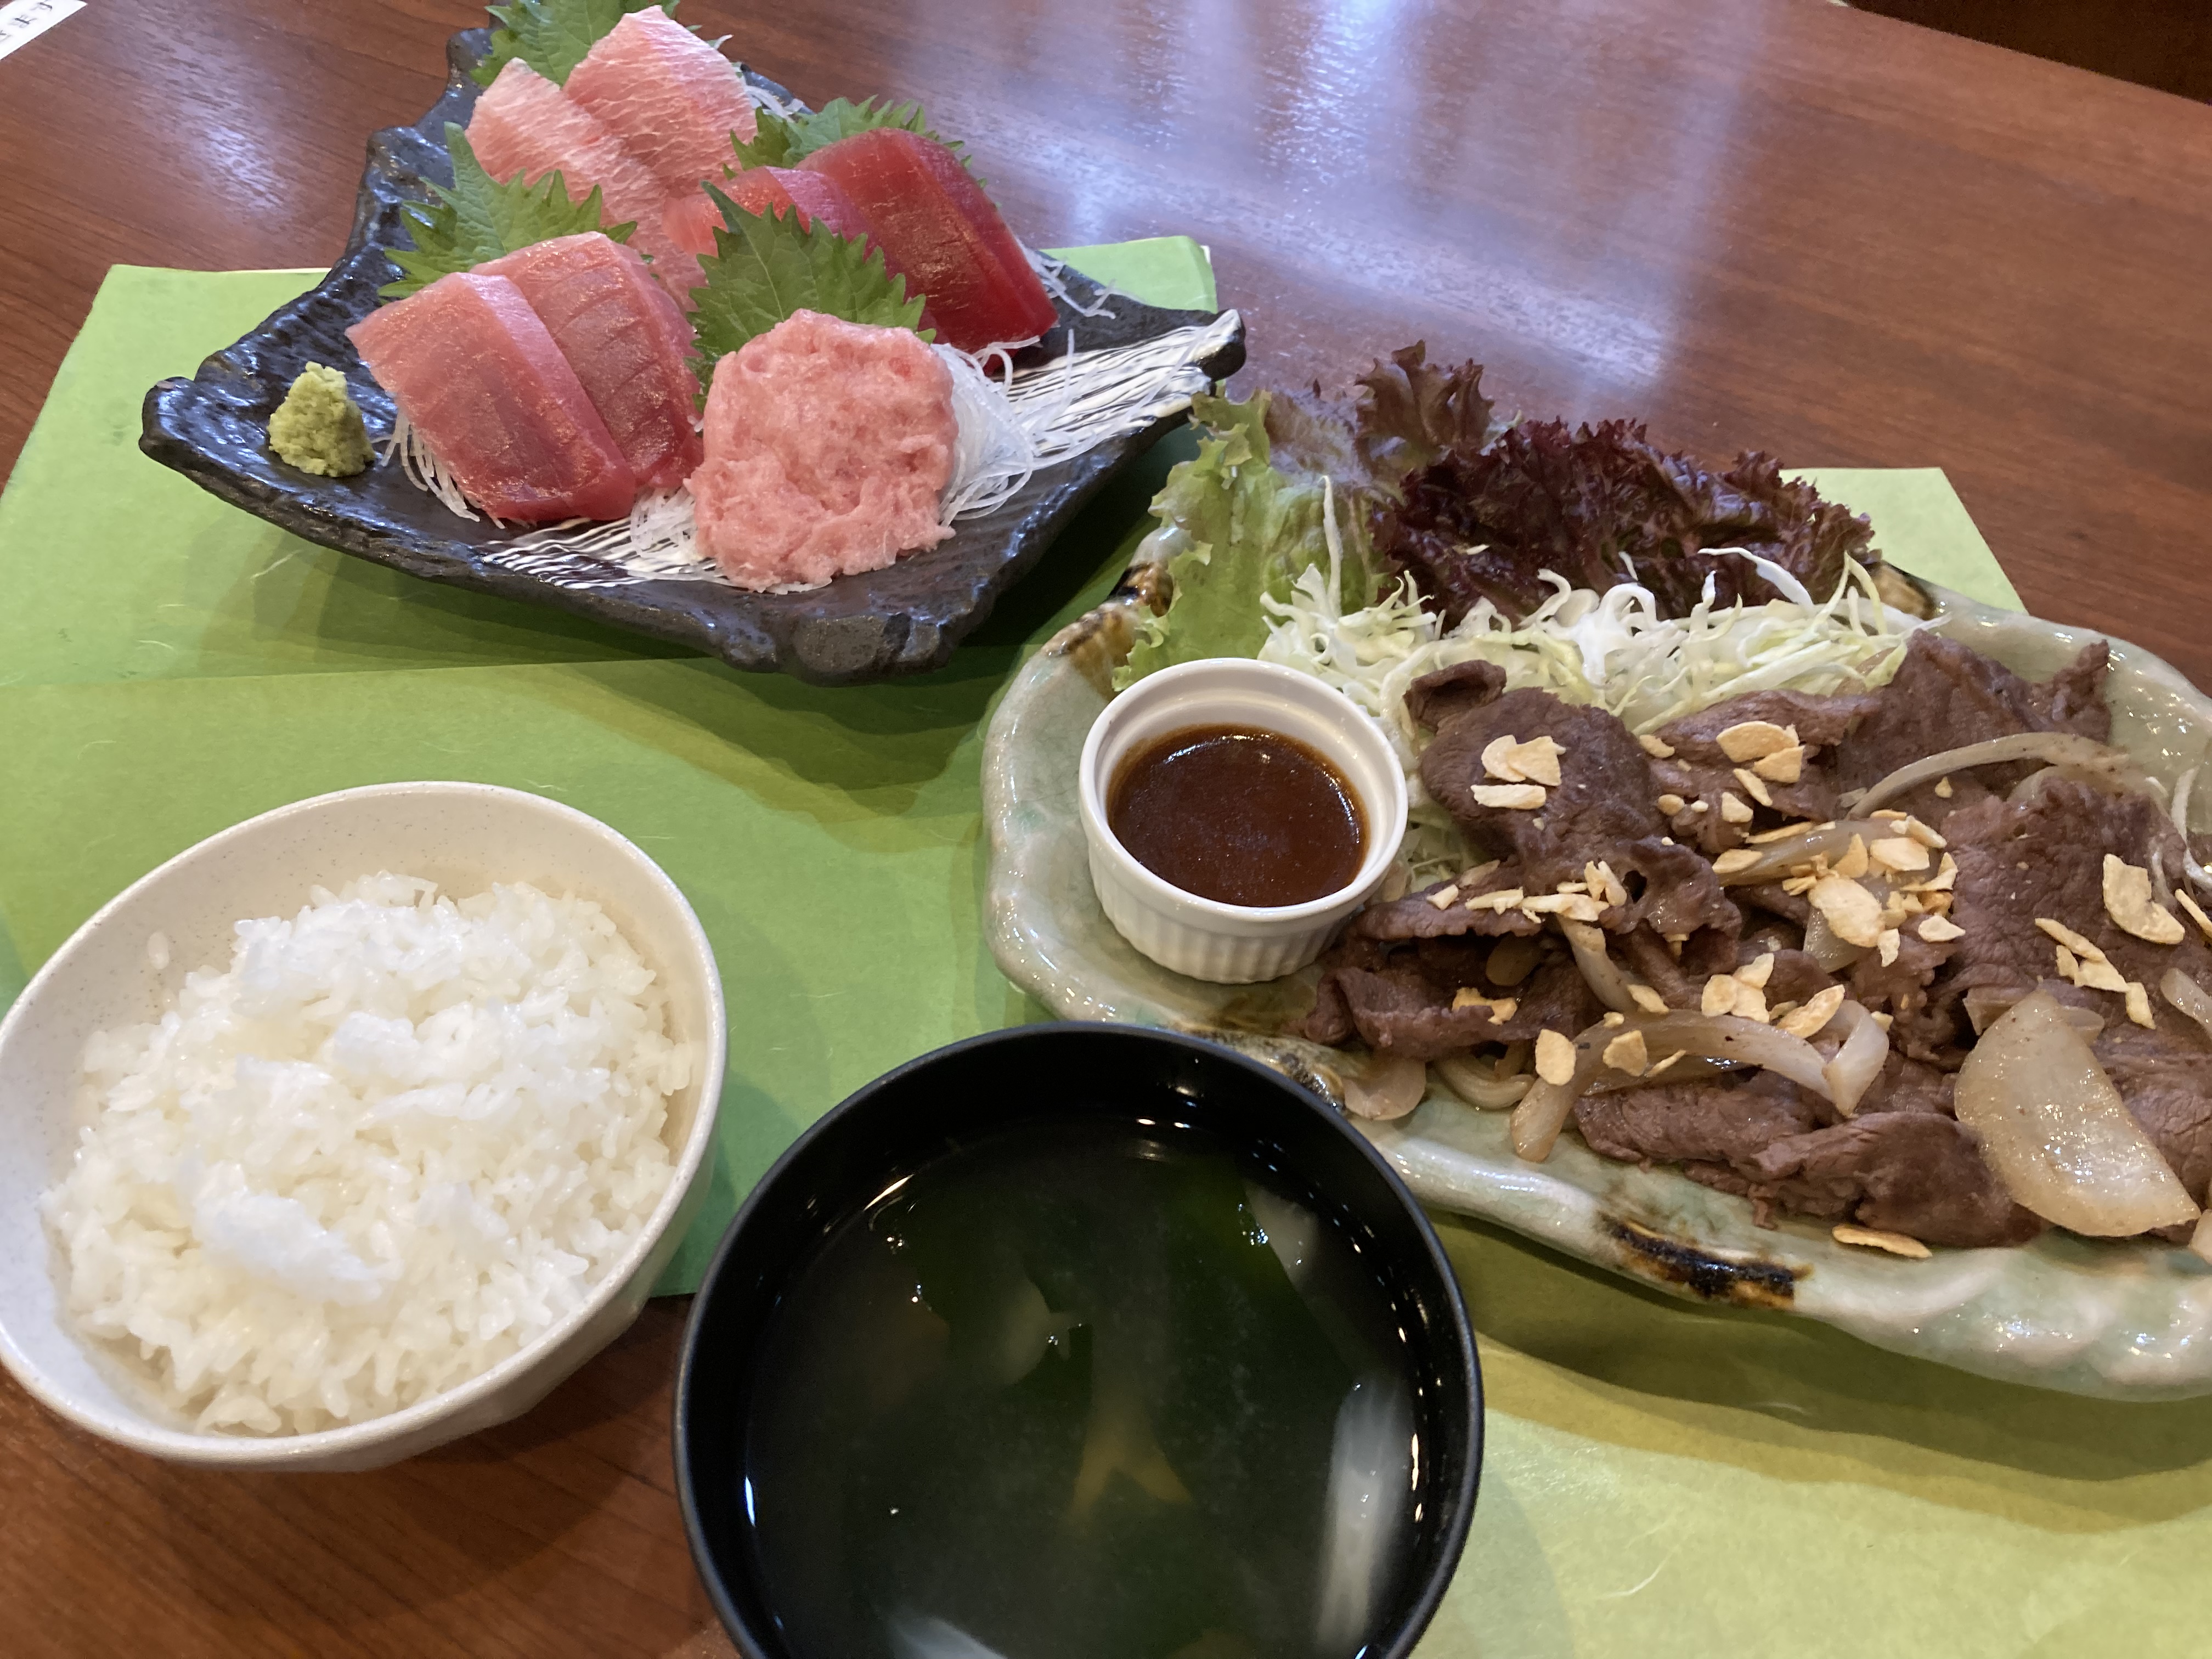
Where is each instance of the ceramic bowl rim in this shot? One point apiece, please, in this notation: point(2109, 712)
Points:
point(1421, 1609)
point(1218, 916)
point(278, 1451)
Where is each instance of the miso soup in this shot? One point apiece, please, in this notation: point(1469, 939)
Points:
point(1082, 1390)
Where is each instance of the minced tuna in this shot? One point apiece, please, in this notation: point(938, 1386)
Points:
point(829, 446)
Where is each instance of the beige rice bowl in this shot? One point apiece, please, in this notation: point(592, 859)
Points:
point(399, 1138)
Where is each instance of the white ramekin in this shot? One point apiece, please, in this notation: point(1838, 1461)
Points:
point(1205, 939)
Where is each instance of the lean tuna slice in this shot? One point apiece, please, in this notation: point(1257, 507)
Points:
point(829, 447)
point(477, 373)
point(671, 98)
point(938, 229)
point(692, 220)
point(625, 338)
point(525, 125)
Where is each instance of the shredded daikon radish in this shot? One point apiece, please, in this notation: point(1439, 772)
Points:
point(425, 471)
point(1053, 273)
point(994, 454)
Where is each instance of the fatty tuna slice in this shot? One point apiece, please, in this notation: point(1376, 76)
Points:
point(626, 340)
point(829, 447)
point(477, 373)
point(671, 98)
point(524, 124)
point(939, 230)
point(691, 221)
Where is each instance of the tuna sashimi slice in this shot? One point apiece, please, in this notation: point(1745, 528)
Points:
point(688, 222)
point(691, 221)
point(626, 340)
point(938, 229)
point(671, 98)
point(818, 196)
point(524, 124)
point(477, 373)
point(829, 447)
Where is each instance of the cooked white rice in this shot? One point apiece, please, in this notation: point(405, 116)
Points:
point(401, 1137)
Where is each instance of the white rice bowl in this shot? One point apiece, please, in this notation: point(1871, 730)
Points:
point(398, 1139)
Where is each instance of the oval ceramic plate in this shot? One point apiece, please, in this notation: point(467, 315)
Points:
point(1143, 361)
point(2124, 1321)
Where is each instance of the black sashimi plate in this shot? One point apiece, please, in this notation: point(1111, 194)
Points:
point(214, 429)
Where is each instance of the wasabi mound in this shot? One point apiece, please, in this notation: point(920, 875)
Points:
point(318, 428)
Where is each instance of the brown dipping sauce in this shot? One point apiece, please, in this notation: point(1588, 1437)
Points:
point(1243, 815)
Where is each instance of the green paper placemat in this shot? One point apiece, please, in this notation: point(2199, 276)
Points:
point(1661, 1481)
point(1171, 272)
point(1920, 526)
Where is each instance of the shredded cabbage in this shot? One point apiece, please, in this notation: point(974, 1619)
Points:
point(1612, 649)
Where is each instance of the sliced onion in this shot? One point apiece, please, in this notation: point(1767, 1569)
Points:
point(1984, 1002)
point(1386, 1086)
point(1690, 1068)
point(1482, 1086)
point(2108, 765)
point(2200, 1240)
point(2195, 871)
point(1795, 853)
point(1512, 959)
point(1859, 1061)
point(2186, 994)
point(1822, 944)
point(1599, 972)
point(2126, 779)
point(1543, 1110)
point(2056, 1133)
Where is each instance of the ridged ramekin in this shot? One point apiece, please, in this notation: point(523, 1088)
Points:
point(1205, 939)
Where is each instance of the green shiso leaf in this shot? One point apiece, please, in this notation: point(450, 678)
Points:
point(478, 220)
point(785, 144)
point(1254, 525)
point(764, 267)
point(552, 36)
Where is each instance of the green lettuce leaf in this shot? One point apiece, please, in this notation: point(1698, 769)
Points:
point(478, 220)
point(1254, 520)
point(785, 144)
point(764, 267)
point(552, 36)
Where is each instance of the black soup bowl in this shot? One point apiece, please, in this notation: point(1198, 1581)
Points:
point(1079, 1339)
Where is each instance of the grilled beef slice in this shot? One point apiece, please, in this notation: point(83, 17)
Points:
point(2043, 856)
point(1795, 977)
point(1947, 696)
point(2165, 1079)
point(1727, 1120)
point(1601, 804)
point(1917, 1173)
point(1901, 986)
point(1414, 916)
point(1397, 997)
point(1435, 698)
point(1902, 1165)
point(1681, 895)
point(1701, 774)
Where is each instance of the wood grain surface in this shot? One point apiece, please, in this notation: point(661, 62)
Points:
point(1771, 223)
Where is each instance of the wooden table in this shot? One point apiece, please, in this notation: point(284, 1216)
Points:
point(1769, 222)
